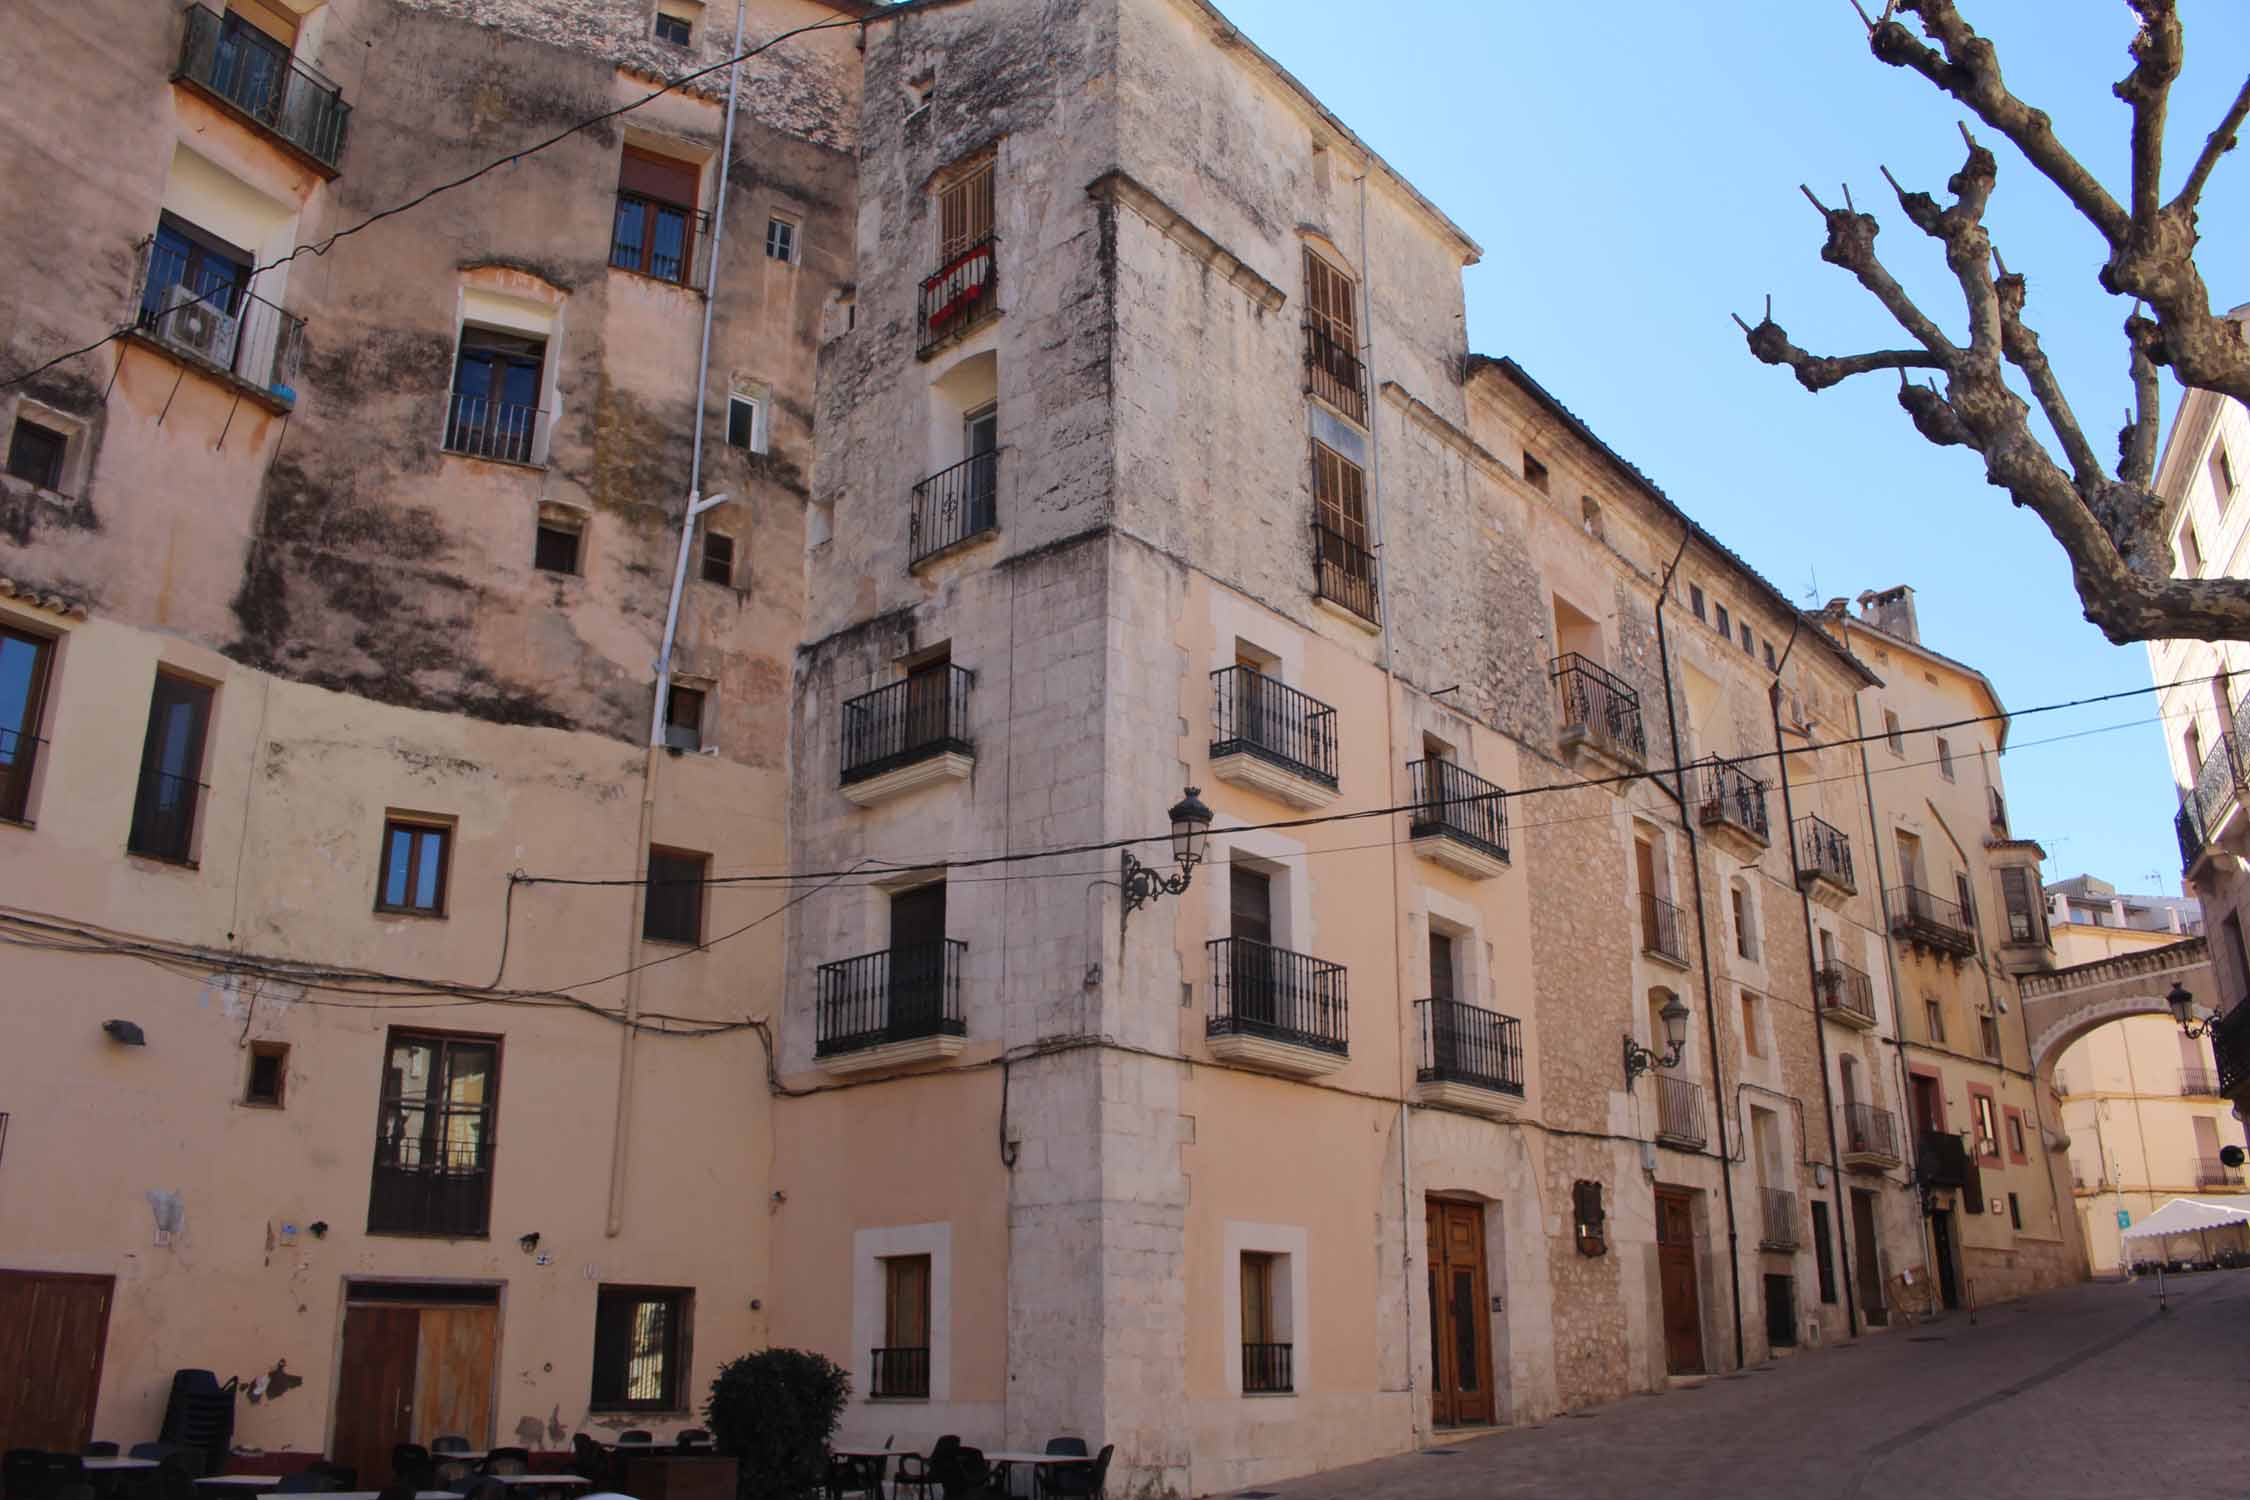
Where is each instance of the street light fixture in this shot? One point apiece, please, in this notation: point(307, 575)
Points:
point(1191, 826)
point(1639, 1059)
point(2182, 1002)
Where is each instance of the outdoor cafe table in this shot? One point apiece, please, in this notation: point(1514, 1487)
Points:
point(115, 1465)
point(540, 1481)
point(260, 1482)
point(370, 1495)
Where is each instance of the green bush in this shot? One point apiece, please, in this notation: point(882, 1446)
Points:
point(775, 1412)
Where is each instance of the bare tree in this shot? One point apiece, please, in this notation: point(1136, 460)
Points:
point(2109, 519)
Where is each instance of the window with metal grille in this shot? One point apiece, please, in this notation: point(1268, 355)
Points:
point(434, 1135)
point(718, 558)
point(1346, 563)
point(640, 1347)
point(416, 855)
point(965, 212)
point(902, 1365)
point(677, 30)
point(674, 911)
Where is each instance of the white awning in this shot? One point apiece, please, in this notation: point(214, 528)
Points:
point(2187, 1215)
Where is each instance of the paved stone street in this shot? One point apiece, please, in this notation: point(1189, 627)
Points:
point(2087, 1391)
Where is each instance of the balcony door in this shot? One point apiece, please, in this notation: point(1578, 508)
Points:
point(1460, 1330)
point(496, 385)
point(1929, 1106)
point(980, 445)
point(928, 693)
point(1445, 1036)
point(24, 663)
point(179, 714)
point(1250, 924)
point(918, 960)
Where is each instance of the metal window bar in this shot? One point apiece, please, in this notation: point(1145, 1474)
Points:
point(922, 715)
point(1464, 1043)
point(484, 428)
point(1823, 851)
point(1458, 804)
point(953, 506)
point(1259, 990)
point(1597, 703)
point(163, 824)
point(1925, 917)
point(900, 1371)
point(1845, 988)
point(232, 329)
point(1662, 931)
point(1335, 373)
point(1729, 794)
point(2221, 780)
point(2230, 1043)
point(1344, 573)
point(897, 995)
point(1679, 1110)
point(19, 757)
point(1780, 1229)
point(2211, 1172)
point(1260, 715)
point(1266, 1368)
point(283, 96)
point(2189, 828)
point(433, 1184)
point(1870, 1130)
point(958, 293)
point(659, 239)
point(2196, 1082)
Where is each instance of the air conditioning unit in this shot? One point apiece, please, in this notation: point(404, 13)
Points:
point(200, 327)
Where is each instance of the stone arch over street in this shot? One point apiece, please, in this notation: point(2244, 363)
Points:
point(2062, 1005)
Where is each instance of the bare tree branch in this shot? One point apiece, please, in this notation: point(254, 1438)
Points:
point(2219, 143)
point(2148, 89)
point(1851, 244)
point(2022, 347)
point(2136, 445)
point(1817, 372)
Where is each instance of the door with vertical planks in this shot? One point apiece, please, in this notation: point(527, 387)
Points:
point(53, 1326)
point(375, 1386)
point(1460, 1336)
point(1675, 1264)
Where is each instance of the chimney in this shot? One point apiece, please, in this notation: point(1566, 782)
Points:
point(1892, 612)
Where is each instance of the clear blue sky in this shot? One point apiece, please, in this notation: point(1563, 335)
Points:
point(1631, 170)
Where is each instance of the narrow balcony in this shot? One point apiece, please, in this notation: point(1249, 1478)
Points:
point(2195, 1082)
point(902, 1005)
point(1268, 737)
point(911, 733)
point(1679, 1113)
point(163, 825)
point(1276, 1010)
point(1846, 994)
point(1599, 713)
point(238, 68)
point(1870, 1138)
point(1344, 577)
point(218, 326)
point(958, 296)
point(507, 433)
point(1930, 921)
point(1824, 861)
point(1941, 1160)
point(2221, 783)
point(1663, 930)
point(1471, 1058)
point(2210, 1172)
point(1731, 806)
point(660, 240)
point(954, 508)
point(19, 757)
point(2230, 1043)
point(899, 1374)
point(1266, 1370)
point(2189, 829)
point(1334, 374)
point(1460, 820)
point(1778, 1223)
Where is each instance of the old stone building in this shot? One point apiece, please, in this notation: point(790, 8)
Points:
point(1094, 421)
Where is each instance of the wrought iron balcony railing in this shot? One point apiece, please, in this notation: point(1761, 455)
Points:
point(920, 716)
point(1262, 716)
point(2196, 1082)
point(958, 294)
point(2221, 781)
point(1344, 573)
point(2189, 828)
point(1468, 1044)
point(1453, 803)
point(1266, 1369)
point(1922, 917)
point(1335, 373)
point(2230, 1043)
point(1870, 1130)
point(1679, 1111)
point(659, 239)
point(900, 1371)
point(1824, 853)
point(432, 1184)
point(278, 94)
point(500, 430)
point(897, 995)
point(223, 326)
point(1663, 930)
point(1261, 991)
point(1779, 1230)
point(1847, 991)
point(2211, 1172)
point(1727, 794)
point(1597, 706)
point(19, 757)
point(954, 506)
point(163, 824)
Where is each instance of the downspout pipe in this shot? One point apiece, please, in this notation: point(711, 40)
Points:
point(1678, 789)
point(1812, 974)
point(620, 1136)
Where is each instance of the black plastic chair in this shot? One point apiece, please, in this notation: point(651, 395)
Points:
point(449, 1442)
point(591, 1462)
point(509, 1461)
point(62, 1471)
point(690, 1439)
point(23, 1473)
point(412, 1467)
point(305, 1482)
point(636, 1435)
point(339, 1476)
point(920, 1473)
point(1077, 1481)
point(853, 1476)
point(99, 1450)
point(968, 1477)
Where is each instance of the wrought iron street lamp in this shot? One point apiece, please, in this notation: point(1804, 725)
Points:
point(1191, 826)
point(1639, 1059)
point(2182, 1001)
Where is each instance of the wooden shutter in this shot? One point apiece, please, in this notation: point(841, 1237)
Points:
point(906, 1302)
point(1331, 300)
point(664, 178)
point(1340, 499)
point(1257, 1298)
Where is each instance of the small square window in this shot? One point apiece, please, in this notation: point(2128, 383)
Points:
point(674, 909)
point(1535, 473)
point(415, 857)
point(674, 29)
point(781, 240)
point(718, 559)
point(269, 1074)
point(36, 453)
point(554, 547)
point(683, 718)
point(746, 422)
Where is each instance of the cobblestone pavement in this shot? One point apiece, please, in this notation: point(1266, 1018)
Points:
point(2089, 1391)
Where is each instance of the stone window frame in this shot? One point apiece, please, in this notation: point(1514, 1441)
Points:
point(870, 1249)
point(73, 430)
point(1289, 1245)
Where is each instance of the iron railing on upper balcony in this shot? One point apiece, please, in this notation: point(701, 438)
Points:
point(1779, 1228)
point(1467, 1044)
point(2197, 1081)
point(1334, 372)
point(19, 757)
point(2220, 781)
point(1254, 714)
point(1596, 705)
point(1870, 1130)
point(235, 64)
point(1679, 1111)
point(217, 322)
point(1266, 1369)
point(900, 1371)
point(2212, 1172)
point(163, 825)
point(900, 994)
point(1847, 989)
point(1262, 991)
point(499, 430)
point(1663, 928)
point(1924, 917)
point(1725, 793)
point(1344, 573)
point(953, 506)
point(1824, 852)
point(958, 294)
point(922, 715)
point(2189, 829)
point(2230, 1044)
point(665, 240)
point(434, 1184)
point(1453, 803)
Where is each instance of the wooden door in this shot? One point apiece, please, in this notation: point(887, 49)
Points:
point(453, 1374)
point(1866, 1267)
point(1251, 975)
point(375, 1387)
point(1675, 1262)
point(1460, 1337)
point(918, 960)
point(53, 1326)
point(1929, 1105)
